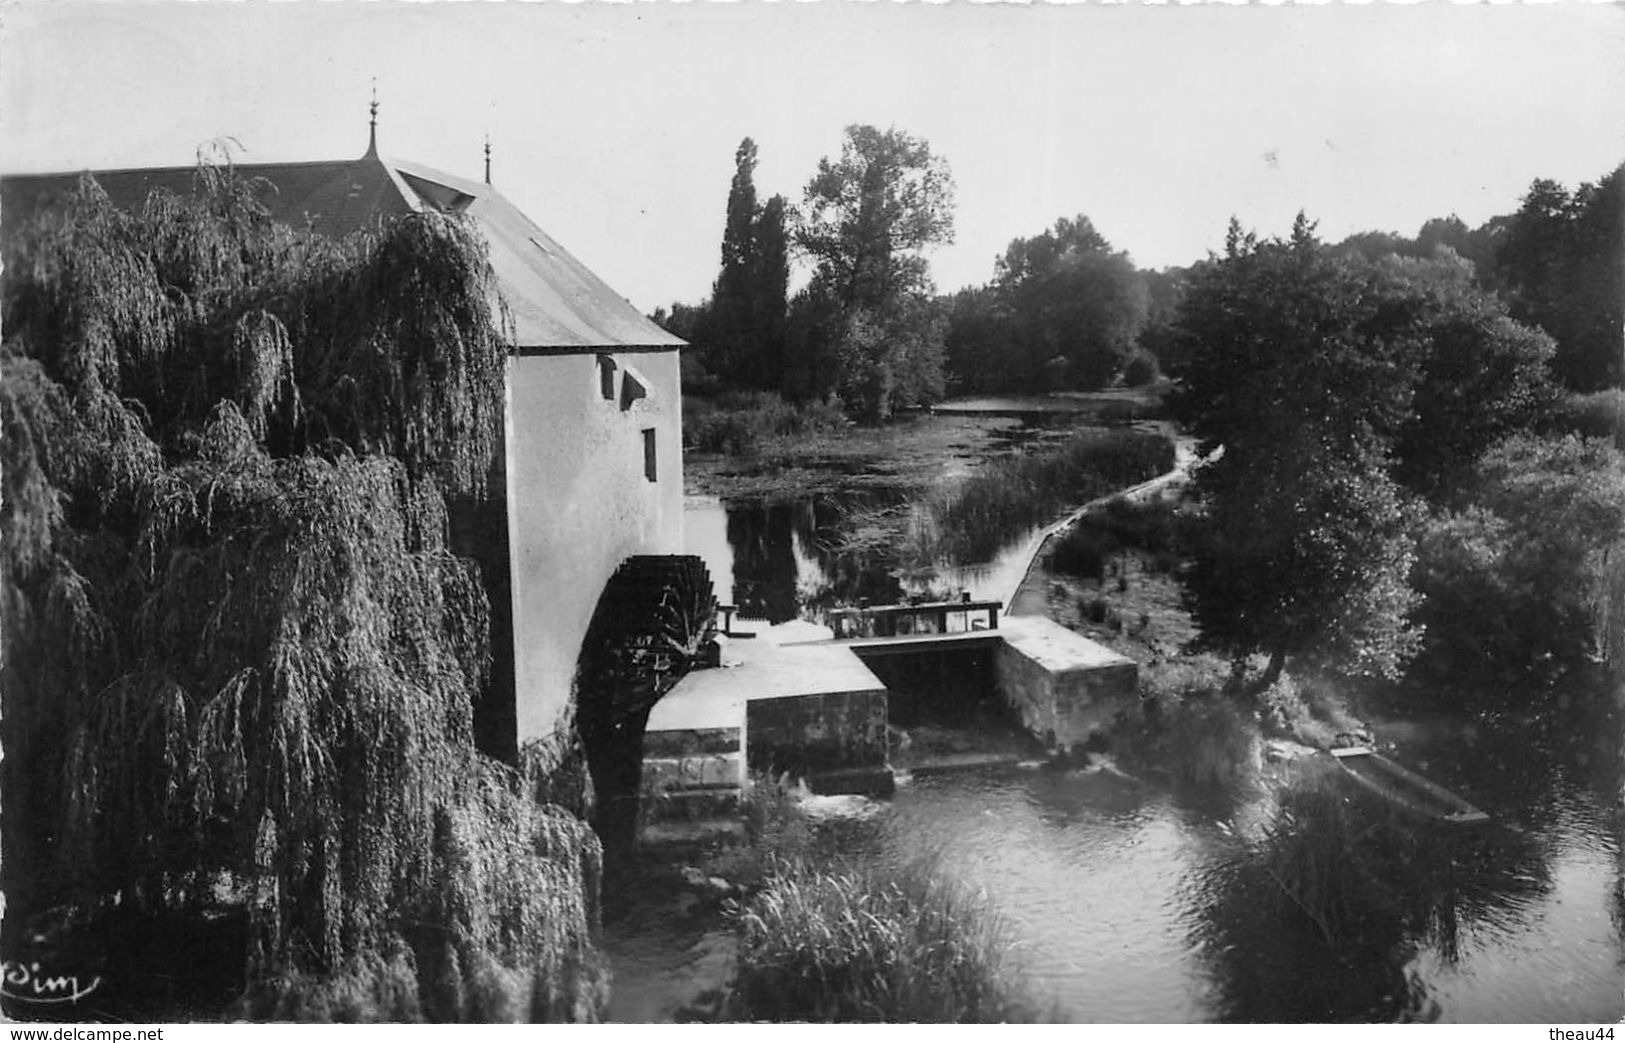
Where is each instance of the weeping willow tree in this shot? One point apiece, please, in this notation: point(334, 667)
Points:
point(240, 659)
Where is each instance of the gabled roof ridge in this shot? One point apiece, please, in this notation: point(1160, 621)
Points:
point(182, 168)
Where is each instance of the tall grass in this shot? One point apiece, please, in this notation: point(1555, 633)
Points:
point(973, 520)
point(1312, 854)
point(832, 944)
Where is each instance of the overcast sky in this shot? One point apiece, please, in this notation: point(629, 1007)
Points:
point(614, 125)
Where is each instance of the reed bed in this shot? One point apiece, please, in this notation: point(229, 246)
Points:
point(970, 522)
point(827, 943)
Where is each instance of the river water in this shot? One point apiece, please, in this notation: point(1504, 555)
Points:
point(1134, 900)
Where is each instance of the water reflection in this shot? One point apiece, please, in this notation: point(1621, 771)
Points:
point(1341, 894)
point(1135, 901)
point(800, 558)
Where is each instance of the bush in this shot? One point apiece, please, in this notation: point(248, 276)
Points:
point(1142, 369)
point(1083, 551)
point(1600, 414)
point(1311, 713)
point(740, 422)
point(1117, 411)
point(1190, 727)
point(829, 944)
point(1148, 526)
point(1184, 677)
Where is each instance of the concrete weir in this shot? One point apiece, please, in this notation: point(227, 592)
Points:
point(793, 699)
point(782, 700)
point(1064, 687)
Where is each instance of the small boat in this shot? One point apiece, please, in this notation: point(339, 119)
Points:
point(1399, 785)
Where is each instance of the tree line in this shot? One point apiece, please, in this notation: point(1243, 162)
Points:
point(1401, 485)
point(1064, 309)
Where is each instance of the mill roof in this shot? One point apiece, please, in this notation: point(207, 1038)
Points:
point(556, 302)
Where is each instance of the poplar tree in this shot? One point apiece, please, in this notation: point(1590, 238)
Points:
point(744, 328)
point(728, 326)
point(769, 293)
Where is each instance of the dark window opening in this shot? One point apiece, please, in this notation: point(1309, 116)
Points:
point(632, 389)
point(606, 377)
point(649, 454)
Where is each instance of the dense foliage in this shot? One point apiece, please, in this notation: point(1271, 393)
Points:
point(1481, 376)
point(1525, 576)
point(1562, 263)
point(866, 222)
point(240, 656)
point(1558, 263)
point(1063, 311)
point(1349, 394)
point(1300, 371)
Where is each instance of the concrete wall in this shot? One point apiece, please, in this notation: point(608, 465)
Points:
point(579, 503)
point(693, 771)
point(835, 740)
point(1064, 686)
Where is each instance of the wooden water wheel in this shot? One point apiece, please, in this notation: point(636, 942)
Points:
point(654, 623)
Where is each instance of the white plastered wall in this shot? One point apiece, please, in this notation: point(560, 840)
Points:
point(579, 504)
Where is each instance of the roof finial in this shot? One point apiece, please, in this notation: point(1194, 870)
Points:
point(372, 124)
point(488, 157)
